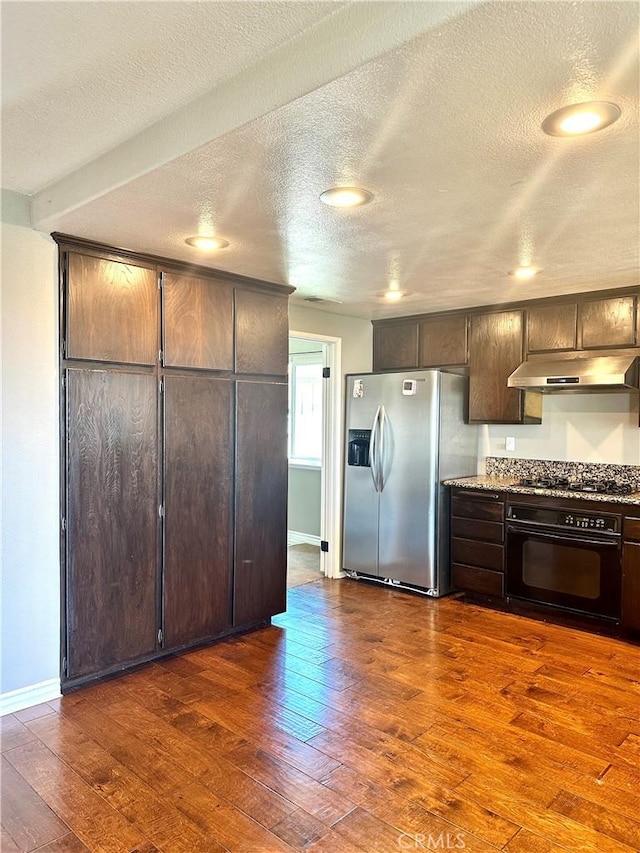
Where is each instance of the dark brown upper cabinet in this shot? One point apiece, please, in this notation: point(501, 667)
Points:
point(443, 341)
point(112, 310)
point(197, 319)
point(112, 560)
point(198, 472)
point(551, 328)
point(261, 501)
point(262, 326)
point(608, 323)
point(395, 346)
point(495, 350)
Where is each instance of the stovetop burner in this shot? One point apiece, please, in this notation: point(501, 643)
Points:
point(600, 487)
point(544, 482)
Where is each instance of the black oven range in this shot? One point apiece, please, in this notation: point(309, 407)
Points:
point(564, 556)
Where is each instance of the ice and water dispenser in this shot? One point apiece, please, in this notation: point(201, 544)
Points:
point(358, 448)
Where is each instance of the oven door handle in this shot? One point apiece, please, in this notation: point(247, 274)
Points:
point(569, 536)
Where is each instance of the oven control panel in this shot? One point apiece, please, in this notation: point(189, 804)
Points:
point(563, 519)
point(592, 522)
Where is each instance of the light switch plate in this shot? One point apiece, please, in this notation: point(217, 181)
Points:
point(510, 443)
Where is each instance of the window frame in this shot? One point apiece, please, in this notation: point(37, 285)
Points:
point(297, 359)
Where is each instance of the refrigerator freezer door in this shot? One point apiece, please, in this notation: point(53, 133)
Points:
point(407, 526)
point(361, 500)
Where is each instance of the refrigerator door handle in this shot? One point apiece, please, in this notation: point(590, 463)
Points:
point(380, 466)
point(373, 456)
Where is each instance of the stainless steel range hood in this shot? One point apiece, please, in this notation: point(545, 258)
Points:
point(588, 374)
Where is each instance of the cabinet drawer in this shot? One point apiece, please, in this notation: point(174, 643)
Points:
point(483, 554)
point(472, 507)
point(631, 528)
point(472, 528)
point(477, 580)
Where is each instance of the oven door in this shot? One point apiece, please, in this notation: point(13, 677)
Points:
point(574, 570)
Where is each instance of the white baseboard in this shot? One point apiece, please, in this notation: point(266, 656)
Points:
point(296, 538)
point(25, 697)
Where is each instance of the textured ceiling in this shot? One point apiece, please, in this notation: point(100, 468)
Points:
point(79, 78)
point(444, 129)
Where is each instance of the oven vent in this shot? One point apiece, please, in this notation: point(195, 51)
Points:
point(602, 373)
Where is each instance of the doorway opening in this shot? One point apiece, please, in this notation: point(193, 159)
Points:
point(314, 465)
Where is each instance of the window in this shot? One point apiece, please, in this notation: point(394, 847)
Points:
point(305, 409)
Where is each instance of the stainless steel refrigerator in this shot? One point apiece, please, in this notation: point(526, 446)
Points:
point(405, 433)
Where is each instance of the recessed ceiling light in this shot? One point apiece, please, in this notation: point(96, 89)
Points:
point(346, 197)
point(578, 119)
point(524, 272)
point(392, 295)
point(207, 244)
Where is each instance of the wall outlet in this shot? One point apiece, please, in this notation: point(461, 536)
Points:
point(510, 443)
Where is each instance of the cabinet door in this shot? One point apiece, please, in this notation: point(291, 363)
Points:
point(395, 347)
point(495, 350)
point(631, 585)
point(112, 519)
point(443, 342)
point(197, 501)
point(262, 330)
point(551, 328)
point(261, 502)
point(112, 311)
point(197, 319)
point(608, 323)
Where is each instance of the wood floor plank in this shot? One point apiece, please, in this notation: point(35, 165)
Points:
point(279, 743)
point(613, 825)
point(545, 766)
point(34, 712)
point(397, 769)
point(26, 818)
point(549, 824)
point(124, 791)
point(491, 831)
point(146, 761)
point(363, 720)
point(234, 830)
point(527, 842)
point(300, 830)
point(13, 733)
point(292, 784)
point(100, 827)
point(71, 844)
point(7, 844)
point(286, 647)
point(602, 791)
point(543, 724)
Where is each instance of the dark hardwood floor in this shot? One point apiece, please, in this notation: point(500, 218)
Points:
point(364, 719)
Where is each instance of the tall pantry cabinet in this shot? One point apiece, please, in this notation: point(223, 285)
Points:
point(173, 423)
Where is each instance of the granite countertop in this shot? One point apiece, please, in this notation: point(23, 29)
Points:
point(507, 484)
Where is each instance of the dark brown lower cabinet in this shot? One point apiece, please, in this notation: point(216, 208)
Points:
point(198, 459)
point(631, 573)
point(112, 560)
point(261, 501)
point(477, 542)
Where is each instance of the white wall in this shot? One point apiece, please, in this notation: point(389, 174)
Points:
point(304, 500)
point(30, 629)
point(574, 428)
point(356, 334)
